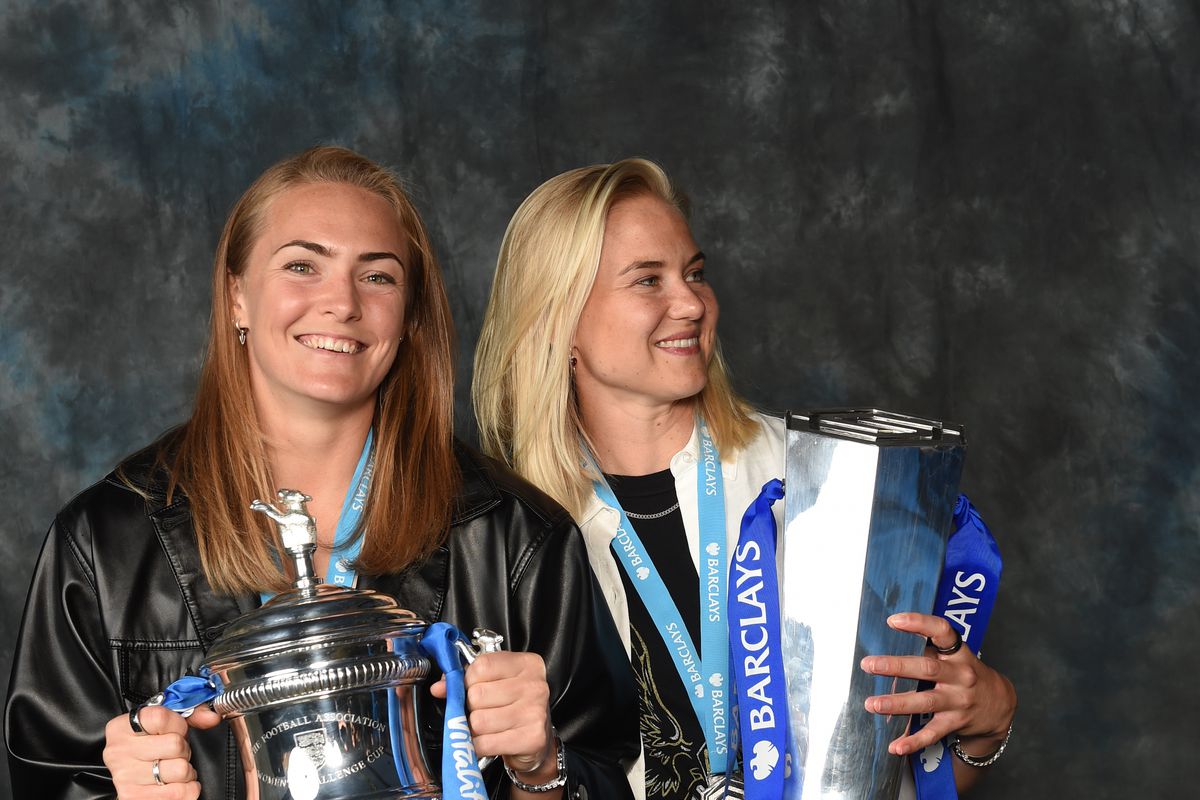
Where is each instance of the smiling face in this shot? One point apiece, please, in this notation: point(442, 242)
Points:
point(648, 329)
point(323, 298)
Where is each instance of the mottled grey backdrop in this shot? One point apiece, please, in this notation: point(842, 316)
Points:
point(982, 211)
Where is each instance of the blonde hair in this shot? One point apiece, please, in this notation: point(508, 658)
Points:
point(522, 390)
point(222, 463)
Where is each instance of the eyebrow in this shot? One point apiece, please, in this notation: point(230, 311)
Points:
point(652, 264)
point(322, 250)
point(381, 256)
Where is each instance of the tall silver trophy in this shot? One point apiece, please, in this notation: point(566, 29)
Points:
point(869, 505)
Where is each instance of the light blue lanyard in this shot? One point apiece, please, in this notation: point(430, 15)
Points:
point(346, 549)
point(704, 680)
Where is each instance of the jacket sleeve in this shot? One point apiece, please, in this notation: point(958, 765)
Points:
point(63, 689)
point(558, 612)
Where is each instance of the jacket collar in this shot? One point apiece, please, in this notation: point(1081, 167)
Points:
point(146, 472)
point(477, 493)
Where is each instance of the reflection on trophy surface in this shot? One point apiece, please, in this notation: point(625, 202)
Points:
point(320, 685)
point(869, 504)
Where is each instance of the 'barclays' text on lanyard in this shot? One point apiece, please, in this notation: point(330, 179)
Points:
point(704, 679)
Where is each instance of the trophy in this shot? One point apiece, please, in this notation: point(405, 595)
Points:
point(868, 509)
point(320, 684)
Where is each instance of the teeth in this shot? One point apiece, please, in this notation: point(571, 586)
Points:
point(692, 342)
point(330, 343)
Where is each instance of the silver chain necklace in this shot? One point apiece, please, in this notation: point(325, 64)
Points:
point(657, 515)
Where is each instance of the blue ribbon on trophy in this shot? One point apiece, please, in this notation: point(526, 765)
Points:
point(965, 597)
point(461, 777)
point(190, 691)
point(754, 640)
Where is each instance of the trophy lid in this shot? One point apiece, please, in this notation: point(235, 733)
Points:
point(313, 638)
point(305, 619)
point(877, 427)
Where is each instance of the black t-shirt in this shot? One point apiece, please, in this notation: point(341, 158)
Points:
point(672, 736)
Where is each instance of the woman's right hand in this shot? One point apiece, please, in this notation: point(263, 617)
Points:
point(130, 757)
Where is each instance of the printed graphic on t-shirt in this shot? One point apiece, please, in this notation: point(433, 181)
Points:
point(675, 762)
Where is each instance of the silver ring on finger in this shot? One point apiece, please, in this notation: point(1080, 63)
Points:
point(157, 775)
point(134, 722)
point(952, 649)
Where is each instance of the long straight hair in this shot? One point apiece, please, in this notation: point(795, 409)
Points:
point(222, 462)
point(523, 392)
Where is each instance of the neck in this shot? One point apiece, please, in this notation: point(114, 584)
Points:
point(316, 454)
point(302, 435)
point(637, 440)
point(300, 458)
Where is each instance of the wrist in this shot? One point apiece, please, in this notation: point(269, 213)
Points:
point(548, 775)
point(981, 745)
point(543, 770)
point(977, 759)
point(989, 735)
point(986, 743)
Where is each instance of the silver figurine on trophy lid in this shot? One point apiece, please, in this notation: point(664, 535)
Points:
point(868, 509)
point(320, 684)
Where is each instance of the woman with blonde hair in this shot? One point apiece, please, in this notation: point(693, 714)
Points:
point(599, 378)
point(329, 369)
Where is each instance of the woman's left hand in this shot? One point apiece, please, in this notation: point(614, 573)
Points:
point(508, 702)
point(968, 697)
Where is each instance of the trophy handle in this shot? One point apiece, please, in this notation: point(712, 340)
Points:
point(485, 641)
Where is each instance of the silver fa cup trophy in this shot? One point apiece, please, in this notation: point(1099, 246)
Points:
point(320, 685)
point(868, 509)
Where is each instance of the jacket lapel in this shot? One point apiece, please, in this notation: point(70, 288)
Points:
point(422, 587)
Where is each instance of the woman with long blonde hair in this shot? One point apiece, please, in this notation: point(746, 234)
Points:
point(329, 370)
point(599, 378)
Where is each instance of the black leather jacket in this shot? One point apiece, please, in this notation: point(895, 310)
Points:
point(119, 608)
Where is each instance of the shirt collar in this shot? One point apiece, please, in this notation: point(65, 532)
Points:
point(682, 463)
